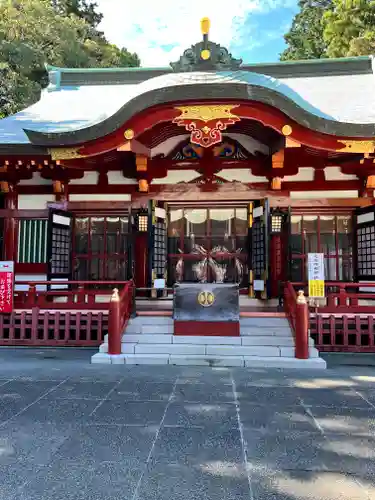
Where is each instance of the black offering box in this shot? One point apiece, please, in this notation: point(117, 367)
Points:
point(206, 309)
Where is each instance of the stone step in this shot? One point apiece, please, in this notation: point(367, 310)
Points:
point(281, 341)
point(262, 322)
point(211, 361)
point(151, 320)
point(214, 350)
point(283, 331)
point(244, 330)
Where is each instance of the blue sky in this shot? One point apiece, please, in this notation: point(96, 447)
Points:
point(159, 31)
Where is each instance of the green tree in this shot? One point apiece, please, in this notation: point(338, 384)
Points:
point(349, 28)
point(84, 9)
point(305, 37)
point(32, 33)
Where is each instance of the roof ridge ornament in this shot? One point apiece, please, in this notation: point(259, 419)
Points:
point(206, 55)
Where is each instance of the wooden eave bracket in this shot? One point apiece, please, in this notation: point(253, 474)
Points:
point(136, 147)
point(290, 143)
point(278, 159)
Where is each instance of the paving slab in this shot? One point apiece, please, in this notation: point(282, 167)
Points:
point(271, 419)
point(345, 421)
point(105, 480)
point(129, 412)
point(224, 415)
point(107, 443)
point(290, 451)
point(197, 446)
point(72, 430)
point(133, 390)
point(184, 482)
point(305, 485)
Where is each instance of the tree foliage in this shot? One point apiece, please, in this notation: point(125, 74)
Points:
point(331, 28)
point(349, 28)
point(33, 32)
point(305, 37)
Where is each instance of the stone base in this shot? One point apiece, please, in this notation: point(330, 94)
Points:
point(212, 361)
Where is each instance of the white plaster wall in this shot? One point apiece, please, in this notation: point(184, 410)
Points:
point(308, 195)
point(34, 202)
point(37, 180)
point(304, 174)
point(116, 177)
point(175, 176)
point(89, 178)
point(240, 175)
point(100, 197)
point(335, 174)
point(29, 277)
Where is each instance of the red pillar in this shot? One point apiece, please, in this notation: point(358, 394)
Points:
point(302, 327)
point(10, 227)
point(114, 324)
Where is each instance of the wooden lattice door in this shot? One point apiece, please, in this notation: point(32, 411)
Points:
point(259, 248)
point(59, 245)
point(157, 230)
point(364, 244)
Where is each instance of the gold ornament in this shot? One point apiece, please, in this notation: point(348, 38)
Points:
point(205, 25)
point(286, 130)
point(351, 146)
point(205, 54)
point(129, 134)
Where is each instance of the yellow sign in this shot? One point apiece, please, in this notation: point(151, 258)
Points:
point(316, 288)
point(206, 298)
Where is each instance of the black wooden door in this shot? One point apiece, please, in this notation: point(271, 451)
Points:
point(158, 234)
point(259, 236)
point(364, 244)
point(59, 245)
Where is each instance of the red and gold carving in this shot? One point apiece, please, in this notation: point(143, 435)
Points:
point(141, 162)
point(143, 186)
point(206, 122)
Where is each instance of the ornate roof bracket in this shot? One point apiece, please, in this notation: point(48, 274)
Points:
point(206, 55)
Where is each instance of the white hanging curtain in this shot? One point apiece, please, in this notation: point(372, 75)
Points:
point(198, 216)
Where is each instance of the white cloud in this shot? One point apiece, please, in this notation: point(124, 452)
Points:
point(149, 27)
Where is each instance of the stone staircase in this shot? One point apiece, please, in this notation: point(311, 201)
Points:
point(264, 342)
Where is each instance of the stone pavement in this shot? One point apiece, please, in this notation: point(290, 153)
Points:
point(74, 431)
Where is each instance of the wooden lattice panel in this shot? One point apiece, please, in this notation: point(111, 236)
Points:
point(53, 329)
point(343, 333)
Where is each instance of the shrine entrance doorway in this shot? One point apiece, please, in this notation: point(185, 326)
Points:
point(208, 244)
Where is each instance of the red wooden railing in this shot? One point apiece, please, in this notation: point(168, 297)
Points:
point(77, 294)
point(344, 321)
point(296, 309)
point(65, 317)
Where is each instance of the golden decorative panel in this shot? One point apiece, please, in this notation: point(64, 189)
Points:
point(65, 153)
point(206, 122)
point(352, 146)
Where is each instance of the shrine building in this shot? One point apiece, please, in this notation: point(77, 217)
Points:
point(208, 171)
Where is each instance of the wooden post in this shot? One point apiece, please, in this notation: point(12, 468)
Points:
point(114, 324)
point(31, 296)
point(302, 327)
point(9, 243)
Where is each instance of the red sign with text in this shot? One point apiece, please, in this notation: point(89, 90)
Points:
point(6, 286)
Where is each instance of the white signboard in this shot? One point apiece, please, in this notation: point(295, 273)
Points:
point(159, 284)
point(316, 274)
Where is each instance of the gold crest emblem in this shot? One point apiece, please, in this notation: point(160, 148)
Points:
point(206, 298)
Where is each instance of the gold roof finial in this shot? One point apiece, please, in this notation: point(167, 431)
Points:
point(205, 25)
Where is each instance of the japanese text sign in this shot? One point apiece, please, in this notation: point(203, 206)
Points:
point(316, 274)
point(6, 286)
